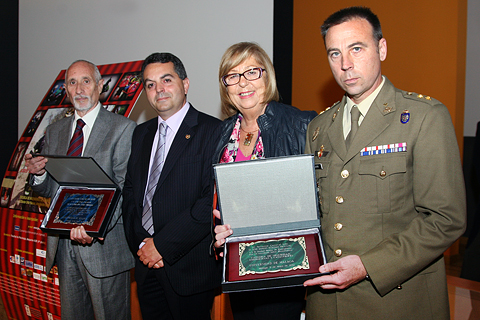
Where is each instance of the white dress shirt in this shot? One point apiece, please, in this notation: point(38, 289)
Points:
point(173, 123)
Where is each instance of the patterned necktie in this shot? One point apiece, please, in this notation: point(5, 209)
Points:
point(355, 115)
point(156, 170)
point(76, 144)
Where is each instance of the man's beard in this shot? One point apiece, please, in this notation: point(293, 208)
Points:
point(77, 106)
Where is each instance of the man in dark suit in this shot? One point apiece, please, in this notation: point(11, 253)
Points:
point(94, 274)
point(168, 198)
point(391, 186)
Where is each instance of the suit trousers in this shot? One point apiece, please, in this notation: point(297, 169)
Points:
point(270, 304)
point(158, 300)
point(84, 297)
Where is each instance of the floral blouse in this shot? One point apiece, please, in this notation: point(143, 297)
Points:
point(230, 153)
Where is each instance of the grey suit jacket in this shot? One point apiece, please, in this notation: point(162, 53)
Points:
point(109, 144)
point(398, 210)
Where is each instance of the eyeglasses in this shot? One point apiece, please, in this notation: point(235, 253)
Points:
point(234, 78)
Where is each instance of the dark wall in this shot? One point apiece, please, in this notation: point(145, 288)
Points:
point(283, 48)
point(471, 150)
point(8, 81)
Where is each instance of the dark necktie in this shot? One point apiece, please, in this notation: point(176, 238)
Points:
point(156, 170)
point(355, 115)
point(76, 144)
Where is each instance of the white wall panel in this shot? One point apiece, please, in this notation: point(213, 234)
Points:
point(54, 33)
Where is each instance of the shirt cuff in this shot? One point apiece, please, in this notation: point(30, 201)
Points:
point(39, 179)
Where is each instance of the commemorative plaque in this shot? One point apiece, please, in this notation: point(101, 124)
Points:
point(86, 196)
point(272, 207)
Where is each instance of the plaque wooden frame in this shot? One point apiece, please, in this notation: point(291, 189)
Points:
point(80, 176)
point(272, 279)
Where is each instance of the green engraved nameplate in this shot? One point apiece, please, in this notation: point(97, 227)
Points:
point(273, 256)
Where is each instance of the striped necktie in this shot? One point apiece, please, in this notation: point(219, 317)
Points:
point(156, 170)
point(76, 144)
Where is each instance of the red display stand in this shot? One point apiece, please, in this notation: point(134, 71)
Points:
point(26, 290)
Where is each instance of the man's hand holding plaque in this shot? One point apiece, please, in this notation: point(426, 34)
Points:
point(343, 273)
point(79, 235)
point(35, 165)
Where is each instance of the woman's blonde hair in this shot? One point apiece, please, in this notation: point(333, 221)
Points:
point(234, 56)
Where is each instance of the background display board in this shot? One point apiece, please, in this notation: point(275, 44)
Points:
point(27, 291)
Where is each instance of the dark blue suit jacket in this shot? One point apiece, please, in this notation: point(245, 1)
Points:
point(182, 204)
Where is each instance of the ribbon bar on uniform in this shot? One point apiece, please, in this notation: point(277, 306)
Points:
point(386, 148)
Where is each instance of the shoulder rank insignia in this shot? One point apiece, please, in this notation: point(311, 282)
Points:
point(420, 96)
point(405, 116)
point(325, 110)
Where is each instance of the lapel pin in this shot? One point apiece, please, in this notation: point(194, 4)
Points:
point(405, 117)
point(320, 152)
point(187, 136)
point(315, 134)
point(387, 108)
point(335, 114)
